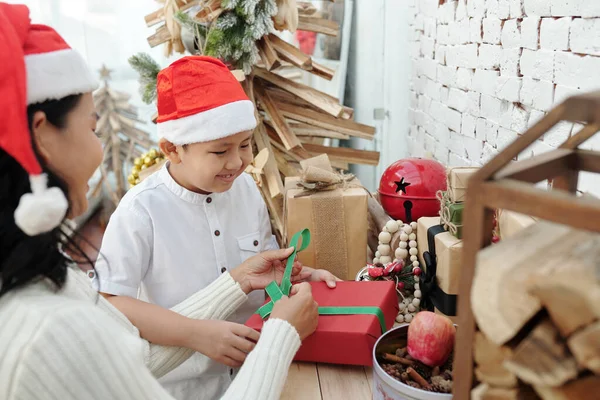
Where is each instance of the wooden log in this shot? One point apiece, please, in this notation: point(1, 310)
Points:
point(275, 207)
point(268, 54)
point(581, 389)
point(290, 53)
point(314, 118)
point(315, 97)
point(319, 25)
point(344, 154)
point(489, 358)
point(542, 358)
point(285, 133)
point(161, 36)
point(487, 392)
point(159, 15)
point(585, 346)
point(302, 129)
point(210, 11)
point(500, 305)
point(272, 176)
point(322, 71)
point(572, 301)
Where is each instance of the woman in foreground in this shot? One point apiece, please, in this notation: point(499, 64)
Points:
point(58, 338)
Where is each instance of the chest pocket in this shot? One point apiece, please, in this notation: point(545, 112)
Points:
point(249, 245)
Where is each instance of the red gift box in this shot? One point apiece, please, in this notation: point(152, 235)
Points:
point(346, 339)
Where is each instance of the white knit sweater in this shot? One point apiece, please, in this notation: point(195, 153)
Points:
point(73, 344)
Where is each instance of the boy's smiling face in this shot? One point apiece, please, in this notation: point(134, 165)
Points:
point(209, 167)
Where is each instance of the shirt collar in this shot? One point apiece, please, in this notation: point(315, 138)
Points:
point(178, 190)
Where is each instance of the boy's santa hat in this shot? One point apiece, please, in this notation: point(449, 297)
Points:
point(200, 100)
point(37, 65)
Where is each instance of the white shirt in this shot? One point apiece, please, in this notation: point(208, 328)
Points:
point(172, 242)
point(72, 344)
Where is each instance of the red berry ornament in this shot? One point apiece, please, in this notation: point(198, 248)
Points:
point(398, 266)
point(400, 286)
point(389, 269)
point(375, 272)
point(495, 239)
point(417, 271)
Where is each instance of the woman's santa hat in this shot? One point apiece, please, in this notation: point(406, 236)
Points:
point(200, 100)
point(37, 65)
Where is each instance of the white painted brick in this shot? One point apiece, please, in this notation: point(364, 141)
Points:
point(429, 8)
point(581, 8)
point(520, 119)
point(419, 21)
point(488, 153)
point(476, 8)
point(453, 33)
point(585, 36)
point(413, 131)
point(443, 34)
point(437, 111)
point(468, 125)
point(464, 78)
point(427, 47)
point(457, 161)
point(424, 103)
point(493, 108)
point(446, 12)
point(484, 81)
point(492, 30)
point(562, 93)
point(462, 56)
point(421, 136)
point(505, 137)
point(453, 119)
point(538, 64)
point(474, 106)
point(530, 31)
point(538, 147)
point(464, 27)
point(537, 7)
point(441, 154)
point(475, 30)
point(490, 56)
point(446, 75)
point(492, 8)
point(429, 68)
point(458, 100)
point(421, 84)
point(516, 8)
point(558, 134)
point(508, 88)
point(491, 132)
point(503, 9)
point(534, 117)
point(430, 27)
point(576, 71)
point(444, 94)
point(461, 10)
point(481, 129)
point(509, 64)
point(538, 94)
point(554, 33)
point(433, 89)
point(440, 54)
point(430, 143)
point(414, 99)
point(511, 34)
point(415, 49)
point(473, 148)
point(455, 145)
point(441, 134)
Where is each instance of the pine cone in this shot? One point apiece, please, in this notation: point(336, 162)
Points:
point(440, 389)
point(441, 385)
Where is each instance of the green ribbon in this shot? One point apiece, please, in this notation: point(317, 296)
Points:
point(276, 292)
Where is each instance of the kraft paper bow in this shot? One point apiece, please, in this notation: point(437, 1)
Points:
point(276, 292)
point(318, 175)
point(445, 216)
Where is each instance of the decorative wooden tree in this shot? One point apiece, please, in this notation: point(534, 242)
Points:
point(242, 33)
point(121, 139)
point(501, 184)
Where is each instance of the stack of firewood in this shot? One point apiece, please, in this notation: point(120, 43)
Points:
point(536, 301)
point(294, 118)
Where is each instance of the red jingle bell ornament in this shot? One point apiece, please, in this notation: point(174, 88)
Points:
point(408, 187)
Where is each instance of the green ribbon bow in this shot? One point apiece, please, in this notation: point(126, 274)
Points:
point(276, 292)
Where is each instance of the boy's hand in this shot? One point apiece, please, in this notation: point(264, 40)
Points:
point(308, 274)
point(258, 271)
point(224, 342)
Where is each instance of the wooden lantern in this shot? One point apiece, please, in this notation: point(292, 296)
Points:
point(503, 184)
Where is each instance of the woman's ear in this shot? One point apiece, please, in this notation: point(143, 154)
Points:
point(40, 134)
point(169, 150)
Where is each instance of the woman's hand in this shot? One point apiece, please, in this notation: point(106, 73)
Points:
point(258, 271)
point(300, 310)
point(308, 274)
point(224, 342)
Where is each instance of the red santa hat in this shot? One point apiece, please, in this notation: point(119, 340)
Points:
point(55, 73)
point(200, 100)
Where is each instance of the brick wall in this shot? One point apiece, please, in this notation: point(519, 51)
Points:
point(483, 71)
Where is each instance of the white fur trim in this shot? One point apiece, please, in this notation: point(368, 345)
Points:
point(58, 74)
point(214, 124)
point(43, 209)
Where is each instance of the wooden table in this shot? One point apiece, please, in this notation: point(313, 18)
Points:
point(310, 381)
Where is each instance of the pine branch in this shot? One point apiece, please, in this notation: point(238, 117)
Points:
point(148, 70)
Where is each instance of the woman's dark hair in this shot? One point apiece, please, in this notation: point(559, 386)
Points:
point(25, 258)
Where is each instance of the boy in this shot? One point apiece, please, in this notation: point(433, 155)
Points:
point(199, 216)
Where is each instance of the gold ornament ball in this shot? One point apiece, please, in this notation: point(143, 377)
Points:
point(138, 162)
point(148, 161)
point(153, 153)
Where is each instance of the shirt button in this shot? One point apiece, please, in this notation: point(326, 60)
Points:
point(217, 233)
point(223, 270)
point(256, 243)
point(91, 274)
point(209, 200)
point(230, 372)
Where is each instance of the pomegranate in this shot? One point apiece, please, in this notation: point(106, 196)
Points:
point(430, 338)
